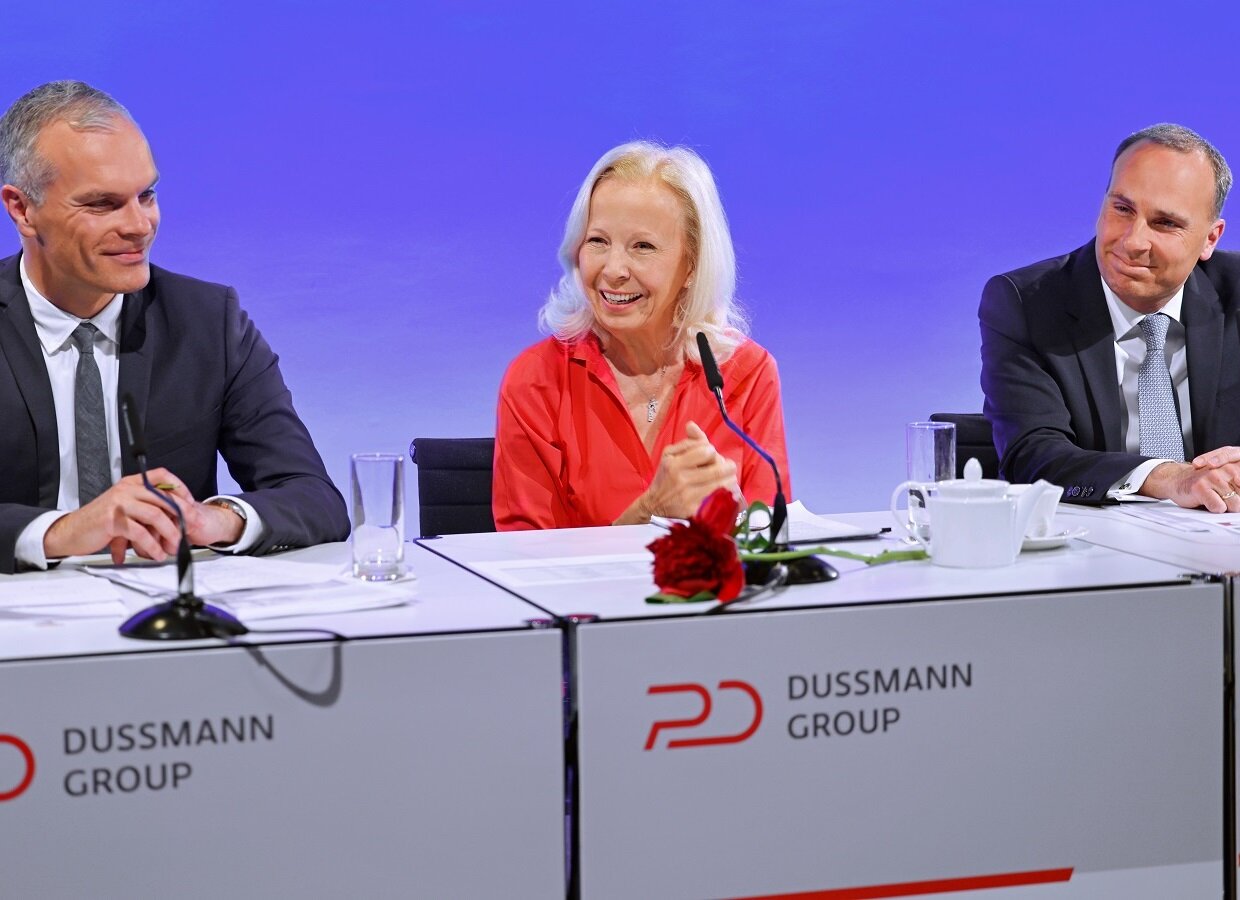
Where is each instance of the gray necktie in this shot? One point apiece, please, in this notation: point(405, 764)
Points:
point(94, 464)
point(1161, 435)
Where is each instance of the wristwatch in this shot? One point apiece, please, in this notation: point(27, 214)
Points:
point(233, 506)
point(229, 504)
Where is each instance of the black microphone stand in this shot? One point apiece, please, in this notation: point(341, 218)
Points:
point(803, 570)
point(186, 617)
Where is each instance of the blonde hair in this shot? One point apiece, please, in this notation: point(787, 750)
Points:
point(709, 303)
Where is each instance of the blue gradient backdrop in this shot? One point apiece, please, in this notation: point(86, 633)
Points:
point(386, 183)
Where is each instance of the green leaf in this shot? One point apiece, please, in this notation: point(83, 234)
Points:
point(870, 559)
point(699, 597)
point(747, 540)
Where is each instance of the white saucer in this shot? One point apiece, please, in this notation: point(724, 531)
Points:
point(1053, 541)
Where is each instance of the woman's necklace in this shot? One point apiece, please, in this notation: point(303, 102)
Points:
point(640, 384)
point(652, 405)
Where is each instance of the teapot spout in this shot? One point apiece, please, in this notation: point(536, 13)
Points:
point(1027, 505)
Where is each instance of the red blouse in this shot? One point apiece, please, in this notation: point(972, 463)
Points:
point(567, 453)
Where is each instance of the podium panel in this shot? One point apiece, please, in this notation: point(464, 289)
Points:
point(1069, 743)
point(408, 766)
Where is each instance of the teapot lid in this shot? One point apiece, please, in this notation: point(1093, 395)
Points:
point(973, 486)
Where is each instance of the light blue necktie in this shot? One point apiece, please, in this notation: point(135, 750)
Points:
point(1161, 435)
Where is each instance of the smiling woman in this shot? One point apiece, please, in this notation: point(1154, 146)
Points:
point(609, 420)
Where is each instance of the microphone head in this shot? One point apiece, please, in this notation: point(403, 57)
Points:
point(135, 438)
point(714, 380)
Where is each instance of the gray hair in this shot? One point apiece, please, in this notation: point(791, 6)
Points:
point(709, 303)
point(83, 107)
point(1184, 140)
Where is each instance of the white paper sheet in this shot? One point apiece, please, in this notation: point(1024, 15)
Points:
point(318, 599)
point(803, 526)
point(23, 592)
point(62, 612)
point(568, 570)
point(253, 587)
point(1212, 527)
point(219, 575)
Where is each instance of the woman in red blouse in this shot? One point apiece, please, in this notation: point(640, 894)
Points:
point(609, 420)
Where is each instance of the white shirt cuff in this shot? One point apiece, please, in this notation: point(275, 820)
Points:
point(1132, 482)
point(28, 551)
point(249, 535)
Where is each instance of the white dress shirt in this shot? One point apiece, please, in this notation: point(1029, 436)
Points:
point(54, 328)
point(1129, 355)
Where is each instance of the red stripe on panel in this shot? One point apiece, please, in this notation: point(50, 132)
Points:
point(921, 888)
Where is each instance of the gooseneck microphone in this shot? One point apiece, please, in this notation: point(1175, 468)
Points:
point(714, 381)
point(185, 617)
point(800, 571)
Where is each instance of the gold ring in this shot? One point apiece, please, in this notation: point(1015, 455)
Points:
point(1227, 496)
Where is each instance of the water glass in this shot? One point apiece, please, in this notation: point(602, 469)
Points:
point(378, 482)
point(930, 456)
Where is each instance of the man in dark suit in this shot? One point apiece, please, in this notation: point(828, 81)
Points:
point(1080, 389)
point(86, 320)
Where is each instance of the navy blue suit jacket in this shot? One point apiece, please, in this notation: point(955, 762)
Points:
point(204, 382)
point(1048, 370)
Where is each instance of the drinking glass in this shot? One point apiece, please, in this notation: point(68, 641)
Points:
point(930, 457)
point(378, 482)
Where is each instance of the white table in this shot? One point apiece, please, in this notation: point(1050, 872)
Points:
point(421, 757)
point(1214, 553)
point(1058, 722)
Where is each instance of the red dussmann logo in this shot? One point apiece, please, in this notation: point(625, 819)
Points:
point(707, 705)
point(24, 750)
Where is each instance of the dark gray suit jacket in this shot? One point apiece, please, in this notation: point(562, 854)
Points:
point(1048, 370)
point(204, 382)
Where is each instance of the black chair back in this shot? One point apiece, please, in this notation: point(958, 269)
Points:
point(454, 484)
point(973, 440)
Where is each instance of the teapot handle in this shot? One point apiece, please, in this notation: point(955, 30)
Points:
point(902, 517)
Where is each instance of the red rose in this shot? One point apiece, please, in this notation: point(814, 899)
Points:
point(718, 512)
point(701, 556)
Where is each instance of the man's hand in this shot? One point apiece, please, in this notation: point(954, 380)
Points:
point(1211, 480)
point(205, 523)
point(688, 472)
point(128, 515)
point(125, 515)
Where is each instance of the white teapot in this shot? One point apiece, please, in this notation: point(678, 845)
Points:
point(975, 522)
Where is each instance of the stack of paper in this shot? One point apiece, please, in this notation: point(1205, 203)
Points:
point(1214, 528)
point(253, 587)
point(53, 597)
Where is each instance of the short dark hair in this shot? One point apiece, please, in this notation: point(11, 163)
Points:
point(1184, 140)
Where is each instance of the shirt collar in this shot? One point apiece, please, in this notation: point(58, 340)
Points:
point(588, 349)
point(54, 326)
point(1125, 320)
point(585, 349)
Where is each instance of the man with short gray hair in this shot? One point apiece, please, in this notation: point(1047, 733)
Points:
point(86, 320)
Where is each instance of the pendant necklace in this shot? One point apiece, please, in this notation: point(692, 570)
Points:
point(652, 405)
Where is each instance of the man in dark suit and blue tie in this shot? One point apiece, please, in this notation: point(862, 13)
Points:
point(85, 320)
point(1115, 369)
